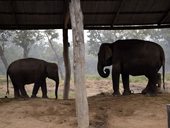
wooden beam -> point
(31, 13)
(84, 13)
(125, 27)
(13, 7)
(165, 16)
(82, 110)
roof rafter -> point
(165, 16)
(13, 7)
(117, 13)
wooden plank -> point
(79, 62)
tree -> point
(96, 37)
(25, 39)
(51, 35)
(4, 36)
(160, 36)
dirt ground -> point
(106, 111)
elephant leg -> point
(125, 80)
(158, 80)
(44, 89)
(151, 88)
(35, 89)
(115, 80)
(23, 91)
(16, 89)
(145, 91)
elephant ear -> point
(108, 52)
(105, 54)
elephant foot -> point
(127, 92)
(34, 96)
(17, 97)
(116, 93)
(145, 91)
(45, 96)
(25, 96)
(22, 96)
(159, 91)
(150, 92)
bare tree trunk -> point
(25, 53)
(3, 58)
(79, 64)
(57, 58)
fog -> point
(38, 44)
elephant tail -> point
(7, 92)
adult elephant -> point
(131, 57)
(31, 70)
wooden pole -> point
(66, 51)
(168, 114)
(67, 64)
(82, 110)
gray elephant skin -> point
(31, 70)
(131, 57)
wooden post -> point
(67, 64)
(168, 114)
(82, 110)
(66, 51)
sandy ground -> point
(106, 111)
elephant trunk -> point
(102, 72)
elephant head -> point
(52, 73)
(104, 59)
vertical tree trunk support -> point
(67, 64)
(79, 62)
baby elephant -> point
(31, 70)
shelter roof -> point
(98, 14)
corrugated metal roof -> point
(98, 14)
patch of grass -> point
(2, 79)
(167, 77)
(95, 77)
(138, 79)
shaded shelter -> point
(97, 14)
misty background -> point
(48, 45)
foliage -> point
(160, 36)
(96, 37)
(25, 39)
